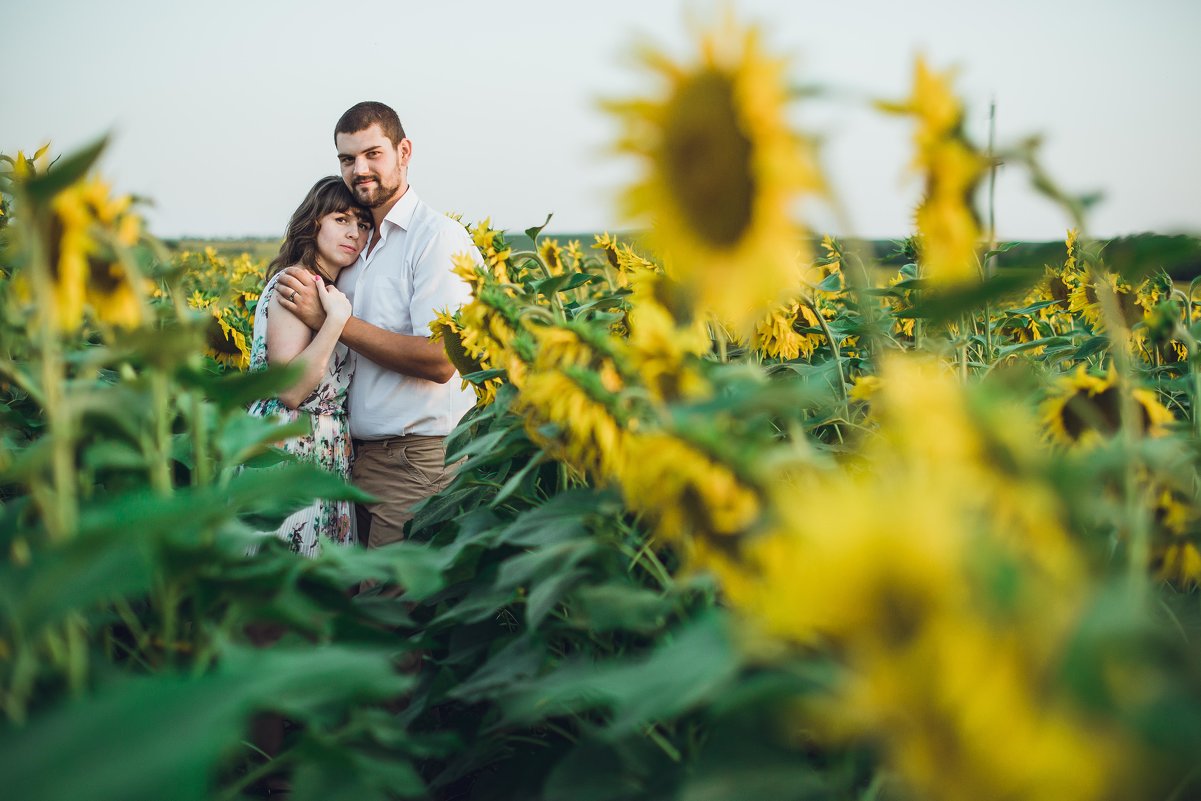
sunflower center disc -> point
(707, 160)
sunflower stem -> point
(722, 340)
(201, 469)
(963, 338)
(160, 477)
(859, 282)
(835, 352)
(1194, 368)
(60, 504)
(1136, 523)
(530, 255)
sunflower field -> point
(739, 515)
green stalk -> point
(134, 624)
(963, 349)
(1194, 369)
(202, 472)
(648, 560)
(160, 475)
(76, 652)
(62, 516)
(836, 353)
(530, 255)
(652, 732)
(167, 595)
(1136, 523)
(722, 339)
(272, 765)
(61, 513)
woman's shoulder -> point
(269, 286)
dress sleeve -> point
(435, 285)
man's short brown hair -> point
(362, 116)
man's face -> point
(374, 170)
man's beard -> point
(376, 195)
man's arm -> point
(404, 353)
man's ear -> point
(404, 151)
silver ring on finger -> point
(292, 297)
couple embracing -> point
(350, 298)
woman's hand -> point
(335, 304)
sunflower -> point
(575, 252)
(226, 344)
(1154, 339)
(486, 330)
(551, 253)
(198, 300)
(1085, 302)
(660, 347)
(607, 243)
(901, 301)
(623, 263)
(947, 224)
(448, 329)
(112, 293)
(720, 171)
(776, 335)
(686, 492)
(489, 324)
(829, 264)
(568, 390)
(88, 230)
(864, 388)
(566, 413)
(71, 246)
(1086, 408)
(1175, 556)
(1179, 563)
(492, 246)
(462, 265)
(883, 565)
(1054, 291)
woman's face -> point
(341, 235)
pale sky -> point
(222, 112)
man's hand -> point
(296, 291)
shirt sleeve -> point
(435, 285)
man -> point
(404, 396)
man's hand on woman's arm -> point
(297, 292)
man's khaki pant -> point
(399, 471)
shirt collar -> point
(401, 214)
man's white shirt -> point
(399, 286)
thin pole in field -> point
(992, 184)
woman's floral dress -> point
(328, 446)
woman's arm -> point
(289, 339)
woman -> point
(325, 235)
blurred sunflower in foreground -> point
(721, 168)
(948, 226)
(85, 233)
(940, 576)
